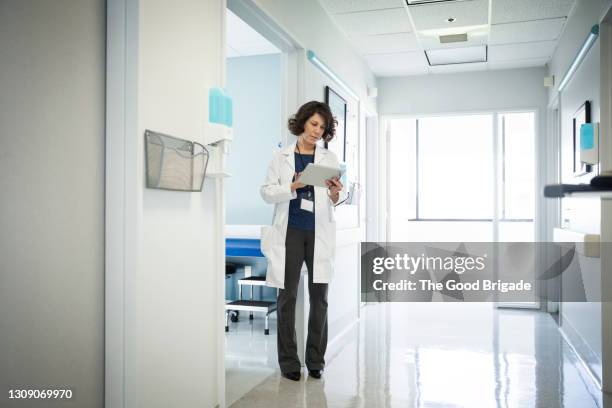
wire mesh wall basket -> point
(174, 164)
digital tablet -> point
(316, 174)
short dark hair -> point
(306, 111)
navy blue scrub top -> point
(298, 218)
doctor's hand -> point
(334, 185)
(296, 184)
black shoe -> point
(293, 376)
(315, 373)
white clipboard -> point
(317, 174)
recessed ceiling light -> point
(463, 55)
(450, 20)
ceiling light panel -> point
(465, 13)
(349, 6)
(375, 22)
(457, 55)
(509, 11)
(386, 43)
(527, 31)
(514, 52)
(454, 68)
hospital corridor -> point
(306, 203)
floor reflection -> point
(421, 355)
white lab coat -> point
(277, 190)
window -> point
(442, 168)
(455, 156)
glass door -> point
(463, 178)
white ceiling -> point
(393, 37)
(242, 40)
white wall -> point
(463, 92)
(581, 322)
(169, 281)
(175, 326)
(606, 206)
(52, 206)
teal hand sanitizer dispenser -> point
(218, 130)
(219, 107)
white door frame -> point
(552, 208)
(540, 222)
(123, 191)
(371, 176)
(372, 186)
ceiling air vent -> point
(422, 2)
(453, 38)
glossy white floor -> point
(418, 355)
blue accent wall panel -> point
(254, 84)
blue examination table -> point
(247, 251)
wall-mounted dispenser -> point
(219, 107)
(218, 131)
(589, 143)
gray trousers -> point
(299, 246)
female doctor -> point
(303, 230)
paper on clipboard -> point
(317, 174)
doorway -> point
(464, 178)
(262, 79)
